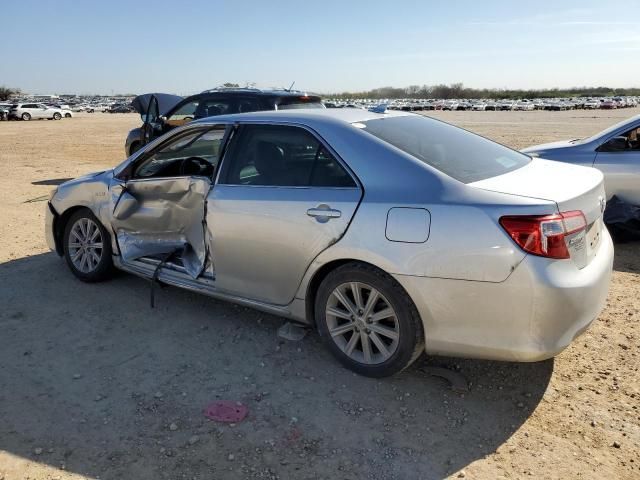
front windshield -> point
(462, 155)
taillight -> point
(544, 235)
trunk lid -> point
(571, 187)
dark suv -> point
(162, 112)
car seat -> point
(270, 164)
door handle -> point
(324, 212)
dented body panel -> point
(159, 216)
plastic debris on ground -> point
(291, 331)
(226, 411)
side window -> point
(212, 108)
(633, 139)
(628, 141)
(192, 154)
(274, 155)
(183, 114)
(244, 105)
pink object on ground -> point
(226, 411)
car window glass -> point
(193, 154)
(462, 155)
(633, 139)
(183, 114)
(296, 106)
(244, 105)
(302, 101)
(212, 108)
(274, 155)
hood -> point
(166, 102)
(549, 146)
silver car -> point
(390, 233)
(615, 152)
(28, 111)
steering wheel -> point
(196, 166)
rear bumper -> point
(533, 315)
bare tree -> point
(6, 92)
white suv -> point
(27, 111)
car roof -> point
(255, 91)
(307, 116)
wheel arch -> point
(321, 273)
(60, 222)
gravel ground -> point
(95, 384)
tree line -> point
(458, 90)
(6, 92)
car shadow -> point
(96, 382)
(627, 257)
(51, 181)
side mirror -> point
(615, 144)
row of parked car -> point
(34, 111)
(555, 104)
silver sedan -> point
(614, 151)
(390, 233)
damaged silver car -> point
(389, 232)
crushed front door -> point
(161, 216)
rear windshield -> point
(465, 156)
(291, 103)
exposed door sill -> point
(176, 275)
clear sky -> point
(184, 46)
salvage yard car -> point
(614, 151)
(162, 112)
(28, 111)
(391, 233)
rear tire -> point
(87, 247)
(379, 333)
(57, 116)
(26, 116)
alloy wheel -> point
(85, 245)
(362, 323)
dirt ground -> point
(95, 384)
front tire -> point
(67, 115)
(368, 321)
(87, 247)
(57, 116)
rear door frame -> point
(223, 165)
